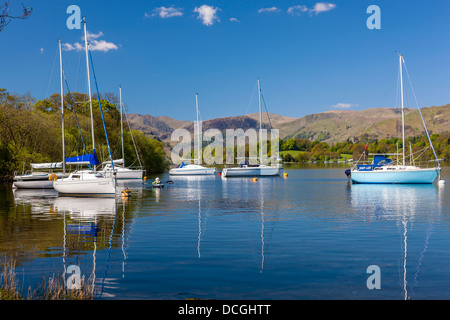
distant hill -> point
(330, 126)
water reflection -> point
(72, 230)
(38, 200)
(403, 204)
(86, 209)
(210, 237)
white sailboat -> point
(43, 179)
(38, 179)
(246, 169)
(383, 170)
(122, 172)
(87, 182)
(194, 169)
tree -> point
(6, 16)
(288, 158)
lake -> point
(309, 235)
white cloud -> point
(272, 9)
(102, 45)
(164, 12)
(94, 44)
(234, 20)
(71, 47)
(322, 7)
(297, 10)
(93, 36)
(41, 50)
(207, 14)
(341, 105)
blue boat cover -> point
(183, 164)
(378, 160)
(85, 158)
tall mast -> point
(121, 124)
(403, 111)
(260, 124)
(86, 44)
(62, 106)
(199, 145)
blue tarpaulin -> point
(84, 159)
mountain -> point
(330, 126)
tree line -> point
(302, 150)
(31, 132)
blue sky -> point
(314, 57)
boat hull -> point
(34, 184)
(192, 172)
(35, 181)
(418, 176)
(125, 174)
(251, 171)
(96, 187)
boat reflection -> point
(392, 201)
(85, 208)
(250, 198)
(39, 199)
(403, 204)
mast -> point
(403, 110)
(121, 124)
(62, 106)
(86, 44)
(260, 124)
(199, 145)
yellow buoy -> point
(145, 178)
(254, 179)
(126, 193)
(285, 174)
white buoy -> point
(441, 182)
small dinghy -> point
(157, 184)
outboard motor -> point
(348, 172)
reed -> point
(9, 286)
(53, 287)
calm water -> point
(307, 236)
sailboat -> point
(383, 169)
(121, 171)
(42, 179)
(88, 182)
(246, 169)
(194, 169)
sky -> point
(311, 56)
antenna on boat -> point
(86, 45)
(260, 124)
(199, 133)
(121, 124)
(403, 110)
(62, 106)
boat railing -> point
(369, 165)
